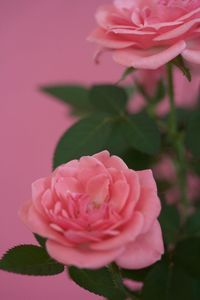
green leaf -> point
(117, 143)
(75, 95)
(129, 89)
(196, 166)
(187, 255)
(180, 64)
(29, 260)
(108, 98)
(155, 284)
(170, 223)
(142, 133)
(102, 131)
(183, 116)
(160, 91)
(169, 282)
(88, 136)
(128, 71)
(192, 226)
(98, 282)
(136, 160)
(192, 135)
(40, 240)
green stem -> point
(177, 140)
(118, 281)
(172, 116)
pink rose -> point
(94, 211)
(148, 34)
(186, 93)
(133, 285)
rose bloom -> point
(186, 93)
(148, 34)
(166, 171)
(133, 285)
(94, 211)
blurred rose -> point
(165, 171)
(186, 93)
(94, 211)
(133, 285)
(148, 34)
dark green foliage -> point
(142, 133)
(180, 64)
(30, 260)
(99, 282)
(109, 99)
(170, 223)
(86, 137)
(40, 240)
(75, 95)
(169, 282)
(187, 255)
(193, 135)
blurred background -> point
(42, 42)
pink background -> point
(42, 42)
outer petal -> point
(66, 170)
(124, 4)
(192, 55)
(129, 233)
(146, 250)
(36, 223)
(38, 189)
(110, 161)
(177, 32)
(147, 180)
(134, 194)
(149, 203)
(148, 59)
(80, 257)
(108, 39)
(106, 16)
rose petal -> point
(134, 194)
(108, 39)
(129, 233)
(119, 192)
(146, 250)
(65, 185)
(149, 203)
(124, 4)
(147, 180)
(98, 188)
(180, 30)
(38, 188)
(105, 16)
(80, 257)
(192, 55)
(89, 167)
(148, 59)
(111, 161)
(67, 170)
(35, 222)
